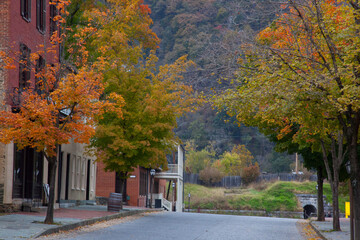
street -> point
(186, 226)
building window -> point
(40, 65)
(40, 15)
(53, 14)
(92, 174)
(73, 174)
(83, 172)
(25, 9)
(78, 165)
(24, 67)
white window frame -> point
(83, 172)
(78, 165)
(92, 176)
(73, 169)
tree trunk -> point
(351, 130)
(320, 195)
(355, 177)
(356, 207)
(336, 212)
(333, 178)
(52, 175)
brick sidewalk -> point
(325, 229)
(24, 225)
(71, 213)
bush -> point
(210, 175)
(250, 174)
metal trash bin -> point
(115, 202)
(157, 203)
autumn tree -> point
(250, 173)
(312, 159)
(61, 104)
(154, 96)
(210, 175)
(197, 160)
(232, 163)
(303, 69)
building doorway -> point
(88, 180)
(120, 186)
(28, 173)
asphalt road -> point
(191, 226)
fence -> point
(235, 181)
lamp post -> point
(173, 186)
(152, 173)
(189, 203)
(348, 169)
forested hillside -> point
(211, 32)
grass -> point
(267, 196)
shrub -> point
(250, 174)
(210, 175)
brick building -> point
(24, 26)
(139, 185)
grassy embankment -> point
(269, 196)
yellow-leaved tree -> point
(304, 70)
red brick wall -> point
(21, 31)
(4, 38)
(4, 23)
(105, 184)
(132, 188)
(162, 187)
(105, 181)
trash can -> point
(115, 202)
(157, 203)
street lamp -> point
(189, 203)
(152, 173)
(173, 186)
(348, 169)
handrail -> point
(167, 204)
(173, 168)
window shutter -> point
(22, 7)
(28, 71)
(43, 20)
(28, 10)
(38, 15)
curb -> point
(90, 221)
(317, 231)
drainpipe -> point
(147, 188)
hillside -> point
(271, 196)
(211, 32)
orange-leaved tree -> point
(304, 70)
(63, 101)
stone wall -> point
(4, 41)
(1, 193)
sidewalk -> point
(325, 229)
(24, 225)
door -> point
(120, 186)
(67, 182)
(28, 169)
(88, 180)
